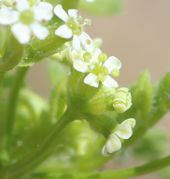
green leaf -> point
(142, 96)
(101, 7)
(161, 103)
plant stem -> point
(12, 104)
(118, 174)
(40, 154)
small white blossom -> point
(98, 67)
(122, 132)
(26, 19)
(73, 28)
(102, 71)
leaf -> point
(161, 104)
(142, 95)
(101, 7)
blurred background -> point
(139, 36)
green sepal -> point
(103, 124)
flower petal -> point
(8, 16)
(64, 31)
(43, 11)
(92, 80)
(87, 42)
(73, 13)
(21, 32)
(124, 130)
(112, 63)
(130, 121)
(61, 13)
(22, 5)
(113, 144)
(76, 43)
(80, 66)
(105, 152)
(39, 31)
(110, 82)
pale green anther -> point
(100, 71)
(87, 22)
(27, 17)
(102, 57)
(122, 100)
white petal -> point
(130, 121)
(110, 82)
(61, 13)
(113, 144)
(96, 54)
(80, 66)
(105, 152)
(21, 32)
(22, 5)
(91, 80)
(43, 11)
(8, 16)
(39, 31)
(76, 43)
(124, 131)
(87, 42)
(73, 13)
(112, 63)
(64, 31)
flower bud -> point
(109, 99)
(121, 132)
(122, 100)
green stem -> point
(40, 154)
(12, 104)
(117, 174)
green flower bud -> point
(122, 100)
(109, 99)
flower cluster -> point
(122, 132)
(28, 18)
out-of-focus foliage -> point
(101, 7)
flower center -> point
(27, 17)
(87, 57)
(100, 71)
(74, 26)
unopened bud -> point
(122, 100)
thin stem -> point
(12, 104)
(40, 154)
(118, 174)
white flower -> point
(26, 19)
(122, 132)
(97, 65)
(73, 28)
(102, 71)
